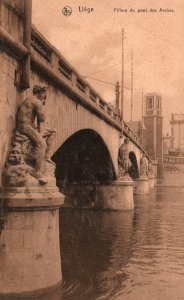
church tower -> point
(153, 127)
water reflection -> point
(97, 249)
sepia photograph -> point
(91, 150)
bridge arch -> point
(84, 157)
(134, 169)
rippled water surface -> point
(124, 255)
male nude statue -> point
(31, 110)
(123, 156)
(143, 166)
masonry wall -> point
(11, 19)
(9, 99)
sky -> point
(92, 43)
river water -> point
(124, 255)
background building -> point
(173, 152)
(167, 143)
(177, 133)
(173, 145)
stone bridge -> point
(87, 127)
(89, 134)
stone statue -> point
(150, 169)
(143, 166)
(123, 159)
(31, 143)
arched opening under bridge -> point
(83, 158)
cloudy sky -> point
(91, 42)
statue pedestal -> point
(151, 181)
(118, 196)
(142, 186)
(29, 237)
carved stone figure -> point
(123, 158)
(143, 166)
(150, 169)
(31, 143)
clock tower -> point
(153, 122)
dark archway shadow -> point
(133, 170)
(83, 158)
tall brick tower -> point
(153, 124)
